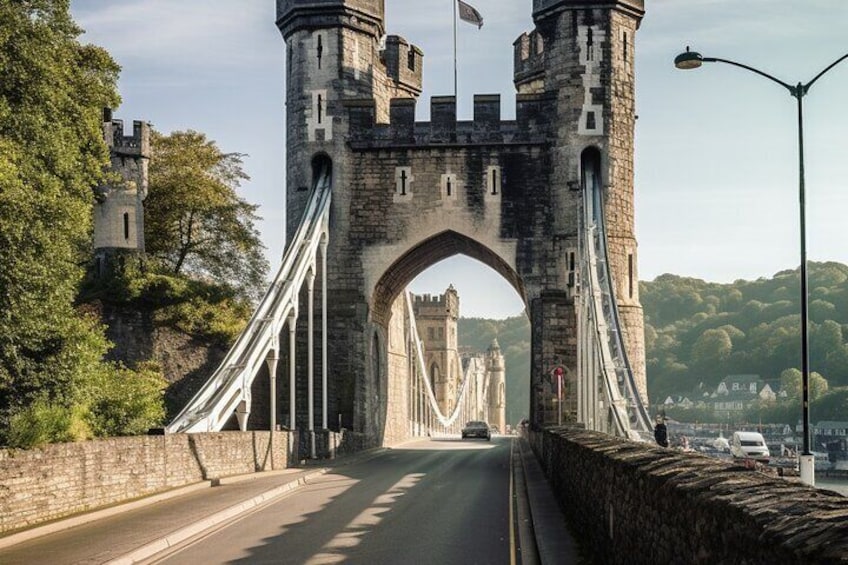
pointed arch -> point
(424, 255)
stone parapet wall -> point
(43, 484)
(635, 503)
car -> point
(749, 445)
(476, 428)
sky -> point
(716, 148)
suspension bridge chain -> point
(474, 367)
(229, 386)
(603, 357)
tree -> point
(791, 382)
(711, 350)
(52, 93)
(195, 222)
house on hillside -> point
(737, 393)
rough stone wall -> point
(62, 479)
(398, 382)
(636, 503)
(619, 211)
(186, 361)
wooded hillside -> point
(700, 332)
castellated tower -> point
(436, 321)
(496, 373)
(582, 53)
(119, 208)
(336, 58)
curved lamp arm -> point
(818, 76)
(692, 60)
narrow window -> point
(320, 107)
(494, 181)
(126, 226)
(590, 40)
(320, 50)
(375, 359)
(403, 183)
(630, 273)
(410, 59)
(590, 121)
(430, 333)
(448, 187)
(625, 46)
(571, 261)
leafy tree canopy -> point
(195, 222)
(52, 93)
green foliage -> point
(52, 92)
(128, 402)
(513, 335)
(196, 224)
(831, 406)
(700, 332)
(43, 422)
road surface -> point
(431, 501)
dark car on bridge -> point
(476, 428)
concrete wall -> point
(58, 480)
(636, 503)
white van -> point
(749, 445)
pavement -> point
(137, 531)
(554, 542)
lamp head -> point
(688, 60)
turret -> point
(495, 368)
(365, 16)
(119, 206)
(589, 65)
(404, 66)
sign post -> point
(558, 372)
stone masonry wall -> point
(636, 503)
(43, 484)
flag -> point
(469, 14)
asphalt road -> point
(432, 501)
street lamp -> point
(693, 60)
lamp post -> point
(692, 60)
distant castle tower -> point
(496, 372)
(119, 210)
(436, 319)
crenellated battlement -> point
(530, 126)
(528, 61)
(137, 144)
(446, 304)
(404, 63)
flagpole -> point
(454, 49)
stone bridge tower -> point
(507, 193)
